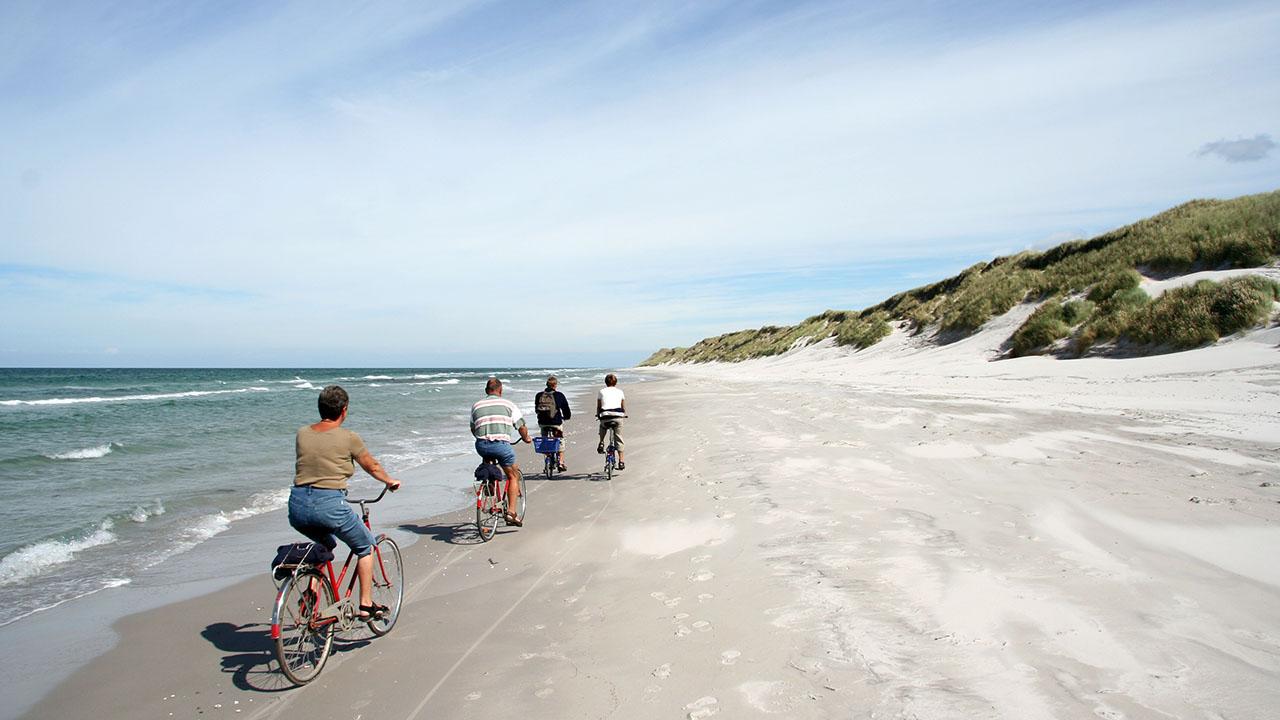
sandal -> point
(513, 521)
(372, 612)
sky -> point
(463, 183)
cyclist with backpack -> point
(552, 409)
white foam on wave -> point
(210, 525)
(377, 377)
(142, 513)
(83, 454)
(33, 560)
(450, 381)
(125, 398)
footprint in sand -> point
(662, 672)
(729, 657)
(701, 576)
(681, 616)
(683, 630)
(700, 559)
(672, 602)
(544, 692)
(703, 597)
(474, 696)
(702, 707)
(702, 626)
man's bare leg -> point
(513, 490)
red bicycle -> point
(308, 612)
(491, 497)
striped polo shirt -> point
(494, 418)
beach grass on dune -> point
(1193, 315)
(1089, 289)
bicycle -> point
(308, 613)
(491, 498)
(611, 450)
(549, 445)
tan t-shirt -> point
(326, 459)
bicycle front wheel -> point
(388, 584)
(304, 639)
(548, 467)
(487, 512)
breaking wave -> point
(85, 453)
(33, 560)
(127, 398)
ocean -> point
(120, 476)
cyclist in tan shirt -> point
(327, 454)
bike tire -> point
(388, 584)
(487, 513)
(302, 647)
(548, 467)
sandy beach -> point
(883, 535)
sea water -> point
(110, 476)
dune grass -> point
(1192, 315)
(1202, 234)
(1051, 322)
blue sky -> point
(517, 182)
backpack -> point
(545, 406)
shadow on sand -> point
(251, 658)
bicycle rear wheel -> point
(388, 584)
(548, 467)
(304, 641)
(608, 468)
(488, 512)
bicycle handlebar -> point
(385, 488)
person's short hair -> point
(332, 400)
(493, 385)
(610, 379)
(552, 381)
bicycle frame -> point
(499, 489)
(551, 460)
(611, 453)
(501, 499)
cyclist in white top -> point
(611, 408)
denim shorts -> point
(496, 450)
(325, 516)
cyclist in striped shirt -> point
(495, 422)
